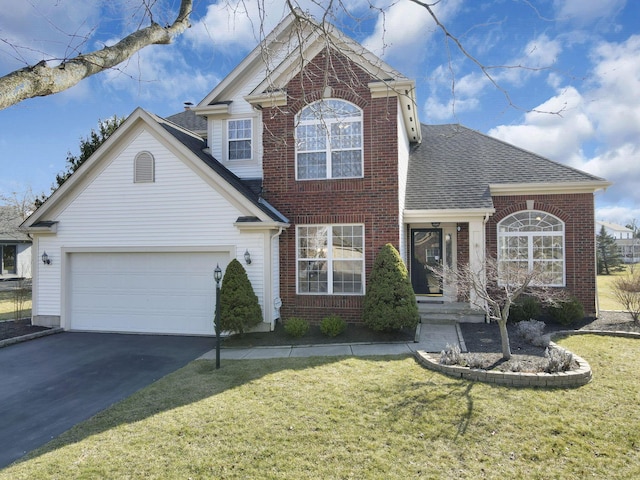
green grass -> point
(606, 297)
(7, 306)
(361, 418)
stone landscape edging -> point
(572, 378)
(43, 333)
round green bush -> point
(332, 326)
(296, 327)
(566, 312)
(525, 308)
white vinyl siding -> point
(181, 209)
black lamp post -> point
(217, 276)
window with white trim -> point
(330, 259)
(329, 141)
(239, 139)
(144, 168)
(531, 240)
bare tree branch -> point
(41, 80)
(485, 69)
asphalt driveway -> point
(50, 384)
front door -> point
(426, 251)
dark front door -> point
(426, 251)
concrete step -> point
(432, 312)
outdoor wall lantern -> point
(217, 276)
(247, 257)
(458, 228)
(45, 259)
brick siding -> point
(371, 200)
(577, 212)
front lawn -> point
(8, 305)
(358, 418)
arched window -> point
(329, 141)
(532, 239)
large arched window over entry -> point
(532, 240)
(329, 141)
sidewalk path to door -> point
(433, 337)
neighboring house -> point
(628, 245)
(308, 160)
(15, 246)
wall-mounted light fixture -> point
(435, 224)
(45, 259)
(247, 257)
(458, 227)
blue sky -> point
(582, 62)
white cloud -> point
(558, 136)
(606, 117)
(584, 13)
(622, 215)
(406, 28)
(160, 72)
(537, 55)
(242, 23)
(45, 29)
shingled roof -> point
(189, 120)
(454, 166)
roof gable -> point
(183, 143)
(459, 168)
(287, 50)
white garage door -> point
(143, 292)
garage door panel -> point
(143, 292)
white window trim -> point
(530, 236)
(227, 139)
(328, 122)
(329, 259)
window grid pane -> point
(332, 130)
(239, 133)
(534, 240)
(335, 270)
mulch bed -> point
(481, 339)
(18, 328)
(484, 343)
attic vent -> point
(143, 168)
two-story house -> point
(302, 164)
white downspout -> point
(276, 302)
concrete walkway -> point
(433, 337)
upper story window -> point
(532, 240)
(329, 141)
(144, 168)
(239, 137)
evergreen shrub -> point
(525, 308)
(390, 303)
(332, 326)
(566, 312)
(296, 327)
(239, 306)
